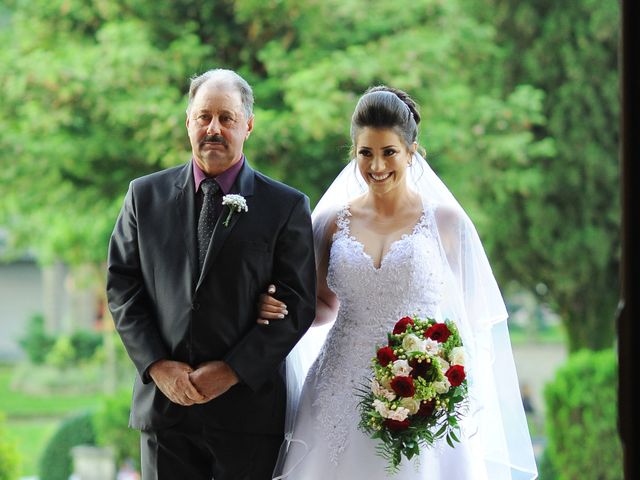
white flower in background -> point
(410, 404)
(412, 343)
(457, 356)
(236, 203)
(401, 368)
(442, 386)
(380, 391)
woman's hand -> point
(269, 308)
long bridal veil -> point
(472, 299)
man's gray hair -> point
(224, 76)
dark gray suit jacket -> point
(163, 309)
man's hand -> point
(212, 379)
(172, 378)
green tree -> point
(89, 101)
(561, 235)
(93, 96)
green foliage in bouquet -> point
(418, 391)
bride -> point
(391, 241)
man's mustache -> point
(214, 139)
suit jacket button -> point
(195, 306)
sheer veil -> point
(471, 298)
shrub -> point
(9, 460)
(56, 462)
(85, 343)
(581, 418)
(546, 469)
(112, 428)
(36, 342)
(61, 350)
(62, 355)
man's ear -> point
(249, 127)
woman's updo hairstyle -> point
(386, 107)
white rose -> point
(411, 343)
(444, 365)
(386, 383)
(401, 368)
(432, 347)
(410, 404)
(457, 356)
(442, 386)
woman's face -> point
(382, 158)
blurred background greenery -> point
(520, 107)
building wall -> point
(21, 296)
(66, 302)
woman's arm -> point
(270, 308)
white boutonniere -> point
(236, 203)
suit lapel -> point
(186, 208)
(243, 185)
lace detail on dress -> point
(409, 281)
(342, 222)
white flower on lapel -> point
(236, 203)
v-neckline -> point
(392, 245)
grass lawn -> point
(32, 419)
(31, 436)
(17, 404)
(553, 334)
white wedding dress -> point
(327, 443)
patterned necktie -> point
(207, 219)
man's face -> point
(217, 127)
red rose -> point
(401, 325)
(403, 386)
(385, 356)
(395, 425)
(456, 375)
(420, 369)
(438, 332)
(426, 408)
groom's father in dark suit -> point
(187, 262)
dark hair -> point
(386, 107)
(246, 94)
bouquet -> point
(418, 391)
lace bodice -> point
(409, 281)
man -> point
(210, 397)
